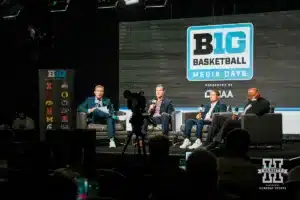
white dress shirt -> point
(208, 114)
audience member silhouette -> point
(164, 174)
(235, 163)
(201, 169)
(63, 185)
(293, 184)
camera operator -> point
(160, 110)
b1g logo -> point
(220, 52)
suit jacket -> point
(259, 107)
(219, 107)
(165, 107)
(90, 103)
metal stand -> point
(139, 140)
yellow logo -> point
(49, 103)
(49, 119)
(64, 95)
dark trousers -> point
(199, 124)
(214, 129)
(109, 121)
(164, 120)
(228, 126)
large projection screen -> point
(154, 52)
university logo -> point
(220, 52)
(57, 74)
(272, 171)
(64, 95)
(49, 126)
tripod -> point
(139, 140)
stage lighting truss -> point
(155, 3)
(10, 10)
(107, 4)
(58, 5)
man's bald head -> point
(253, 93)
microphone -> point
(236, 111)
(229, 109)
(202, 109)
(153, 101)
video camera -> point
(136, 102)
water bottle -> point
(82, 186)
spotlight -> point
(58, 5)
(155, 3)
(107, 4)
(131, 2)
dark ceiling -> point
(78, 38)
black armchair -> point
(156, 130)
(101, 127)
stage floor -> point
(108, 158)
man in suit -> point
(160, 110)
(203, 118)
(255, 105)
(98, 107)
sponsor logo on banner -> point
(226, 94)
(64, 95)
(49, 119)
(64, 103)
(49, 126)
(57, 74)
(220, 52)
(272, 174)
(49, 86)
(49, 103)
(64, 86)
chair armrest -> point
(81, 120)
(189, 115)
(173, 120)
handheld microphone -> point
(153, 101)
(229, 109)
(202, 109)
(236, 111)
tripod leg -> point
(144, 146)
(139, 143)
(127, 143)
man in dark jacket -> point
(203, 118)
(255, 105)
(160, 110)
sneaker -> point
(196, 144)
(185, 143)
(112, 143)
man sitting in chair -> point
(98, 107)
(203, 118)
(256, 105)
(160, 111)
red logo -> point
(49, 111)
(48, 86)
(64, 118)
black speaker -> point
(76, 148)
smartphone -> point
(182, 161)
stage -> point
(109, 158)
